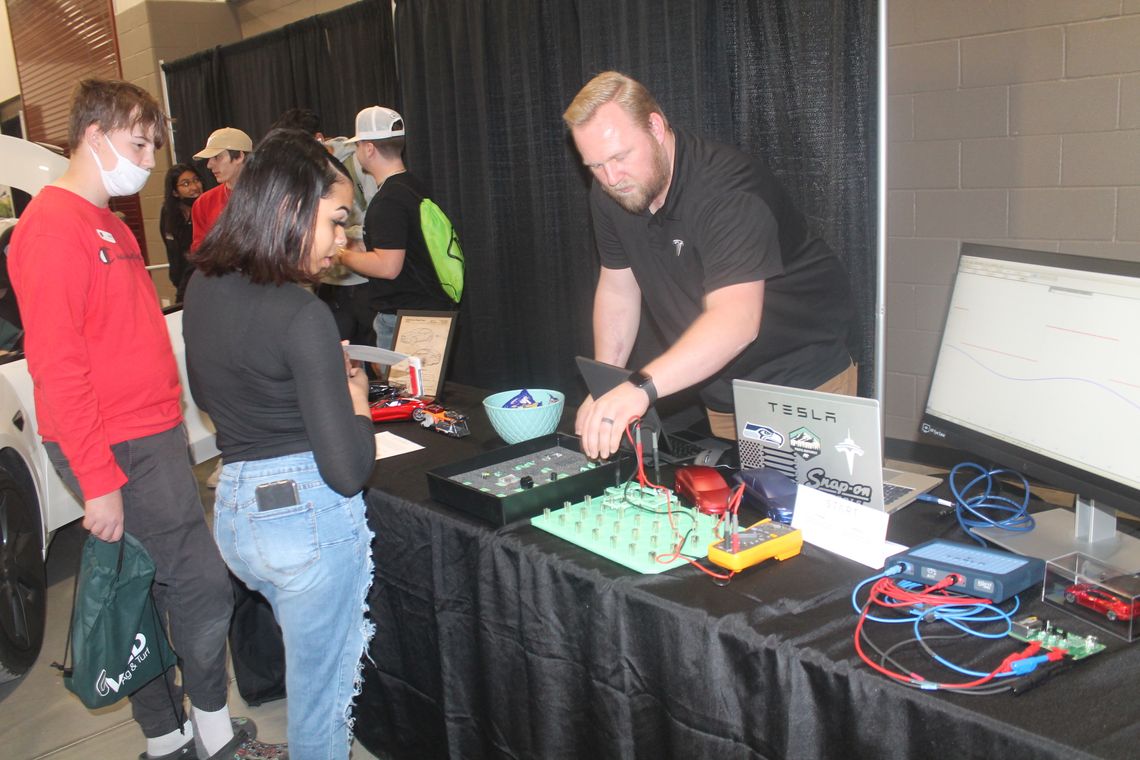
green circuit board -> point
(1032, 629)
(634, 526)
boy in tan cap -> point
(226, 151)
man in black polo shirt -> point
(708, 237)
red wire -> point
(886, 593)
(644, 481)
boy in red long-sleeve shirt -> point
(108, 401)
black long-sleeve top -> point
(177, 233)
(265, 363)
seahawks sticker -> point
(805, 443)
(764, 434)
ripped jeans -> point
(313, 562)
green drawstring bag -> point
(117, 641)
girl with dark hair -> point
(182, 188)
(264, 360)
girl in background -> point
(182, 188)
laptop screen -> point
(601, 378)
(823, 440)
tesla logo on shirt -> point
(677, 246)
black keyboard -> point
(681, 448)
(892, 491)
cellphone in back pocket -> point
(279, 493)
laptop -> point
(830, 442)
(679, 447)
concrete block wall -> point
(1011, 122)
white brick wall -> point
(1011, 122)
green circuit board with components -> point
(634, 526)
(1051, 637)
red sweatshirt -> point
(95, 338)
(205, 212)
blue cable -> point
(963, 616)
(957, 619)
(977, 510)
(892, 570)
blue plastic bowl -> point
(523, 423)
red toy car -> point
(704, 487)
(396, 408)
(1111, 606)
(388, 405)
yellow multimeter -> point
(756, 543)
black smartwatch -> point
(643, 381)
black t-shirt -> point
(727, 220)
(392, 222)
(265, 362)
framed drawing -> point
(428, 335)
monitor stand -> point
(1091, 530)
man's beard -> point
(637, 201)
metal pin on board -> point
(656, 459)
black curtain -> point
(483, 88)
(334, 63)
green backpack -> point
(443, 245)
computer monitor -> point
(1039, 371)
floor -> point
(39, 718)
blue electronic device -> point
(985, 573)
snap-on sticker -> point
(818, 478)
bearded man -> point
(709, 239)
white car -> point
(34, 503)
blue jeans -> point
(313, 562)
(385, 326)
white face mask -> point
(127, 178)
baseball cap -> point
(226, 138)
(377, 123)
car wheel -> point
(1070, 597)
(23, 583)
(418, 415)
(1111, 615)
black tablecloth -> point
(512, 643)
